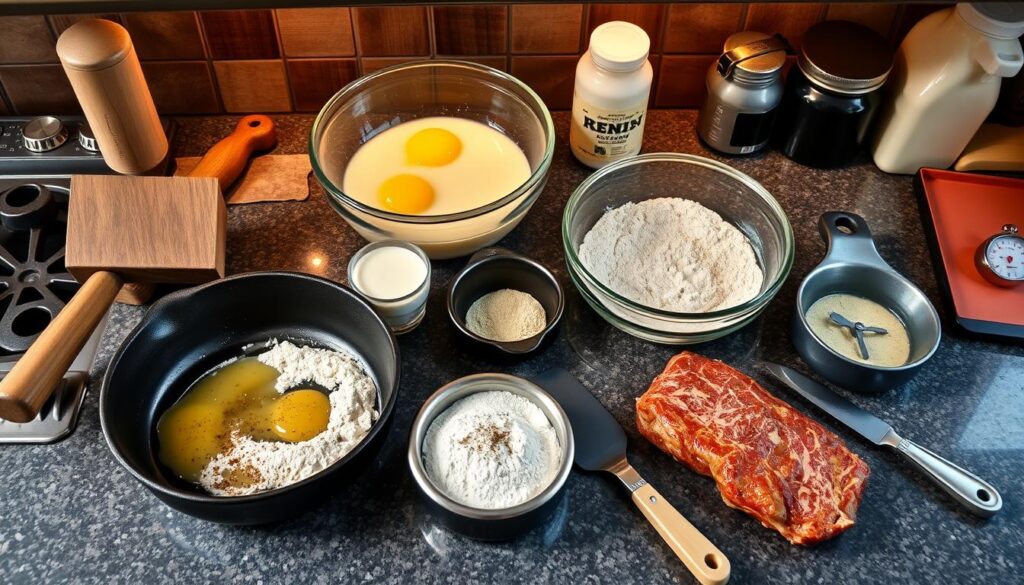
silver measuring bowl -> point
(490, 524)
(853, 266)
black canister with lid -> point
(832, 94)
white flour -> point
(272, 464)
(492, 450)
(672, 254)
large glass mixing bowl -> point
(737, 198)
(381, 100)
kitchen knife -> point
(601, 446)
(975, 494)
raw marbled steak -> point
(768, 459)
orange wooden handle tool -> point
(226, 160)
(25, 389)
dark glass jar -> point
(832, 94)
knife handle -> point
(974, 493)
(700, 556)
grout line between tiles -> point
(211, 70)
(508, 38)
(431, 32)
(284, 63)
(357, 43)
(663, 34)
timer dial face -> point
(1005, 255)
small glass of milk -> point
(394, 276)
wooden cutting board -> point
(132, 230)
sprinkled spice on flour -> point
(492, 450)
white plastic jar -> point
(609, 105)
(946, 82)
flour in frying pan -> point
(672, 254)
(272, 464)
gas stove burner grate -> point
(34, 283)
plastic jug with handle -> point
(945, 83)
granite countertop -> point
(69, 512)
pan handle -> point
(31, 381)
(227, 159)
(848, 239)
(708, 564)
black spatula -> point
(601, 446)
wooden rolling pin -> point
(132, 229)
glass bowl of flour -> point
(676, 248)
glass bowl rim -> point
(763, 297)
(327, 113)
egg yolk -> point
(407, 194)
(433, 147)
(301, 415)
(190, 436)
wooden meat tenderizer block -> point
(132, 229)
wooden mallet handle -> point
(25, 389)
(31, 381)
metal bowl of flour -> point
(490, 524)
(735, 197)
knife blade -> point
(974, 493)
(866, 424)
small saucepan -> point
(493, 269)
(189, 332)
(853, 266)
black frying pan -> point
(187, 333)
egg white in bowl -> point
(465, 93)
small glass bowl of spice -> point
(394, 276)
(505, 304)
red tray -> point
(960, 211)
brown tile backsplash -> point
(240, 34)
(26, 39)
(316, 32)
(38, 89)
(547, 28)
(294, 59)
(165, 35)
(880, 17)
(681, 81)
(470, 30)
(789, 18)
(181, 87)
(253, 86)
(392, 31)
(314, 81)
(700, 28)
(646, 16)
(61, 22)
(552, 77)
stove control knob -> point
(43, 134)
(86, 139)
